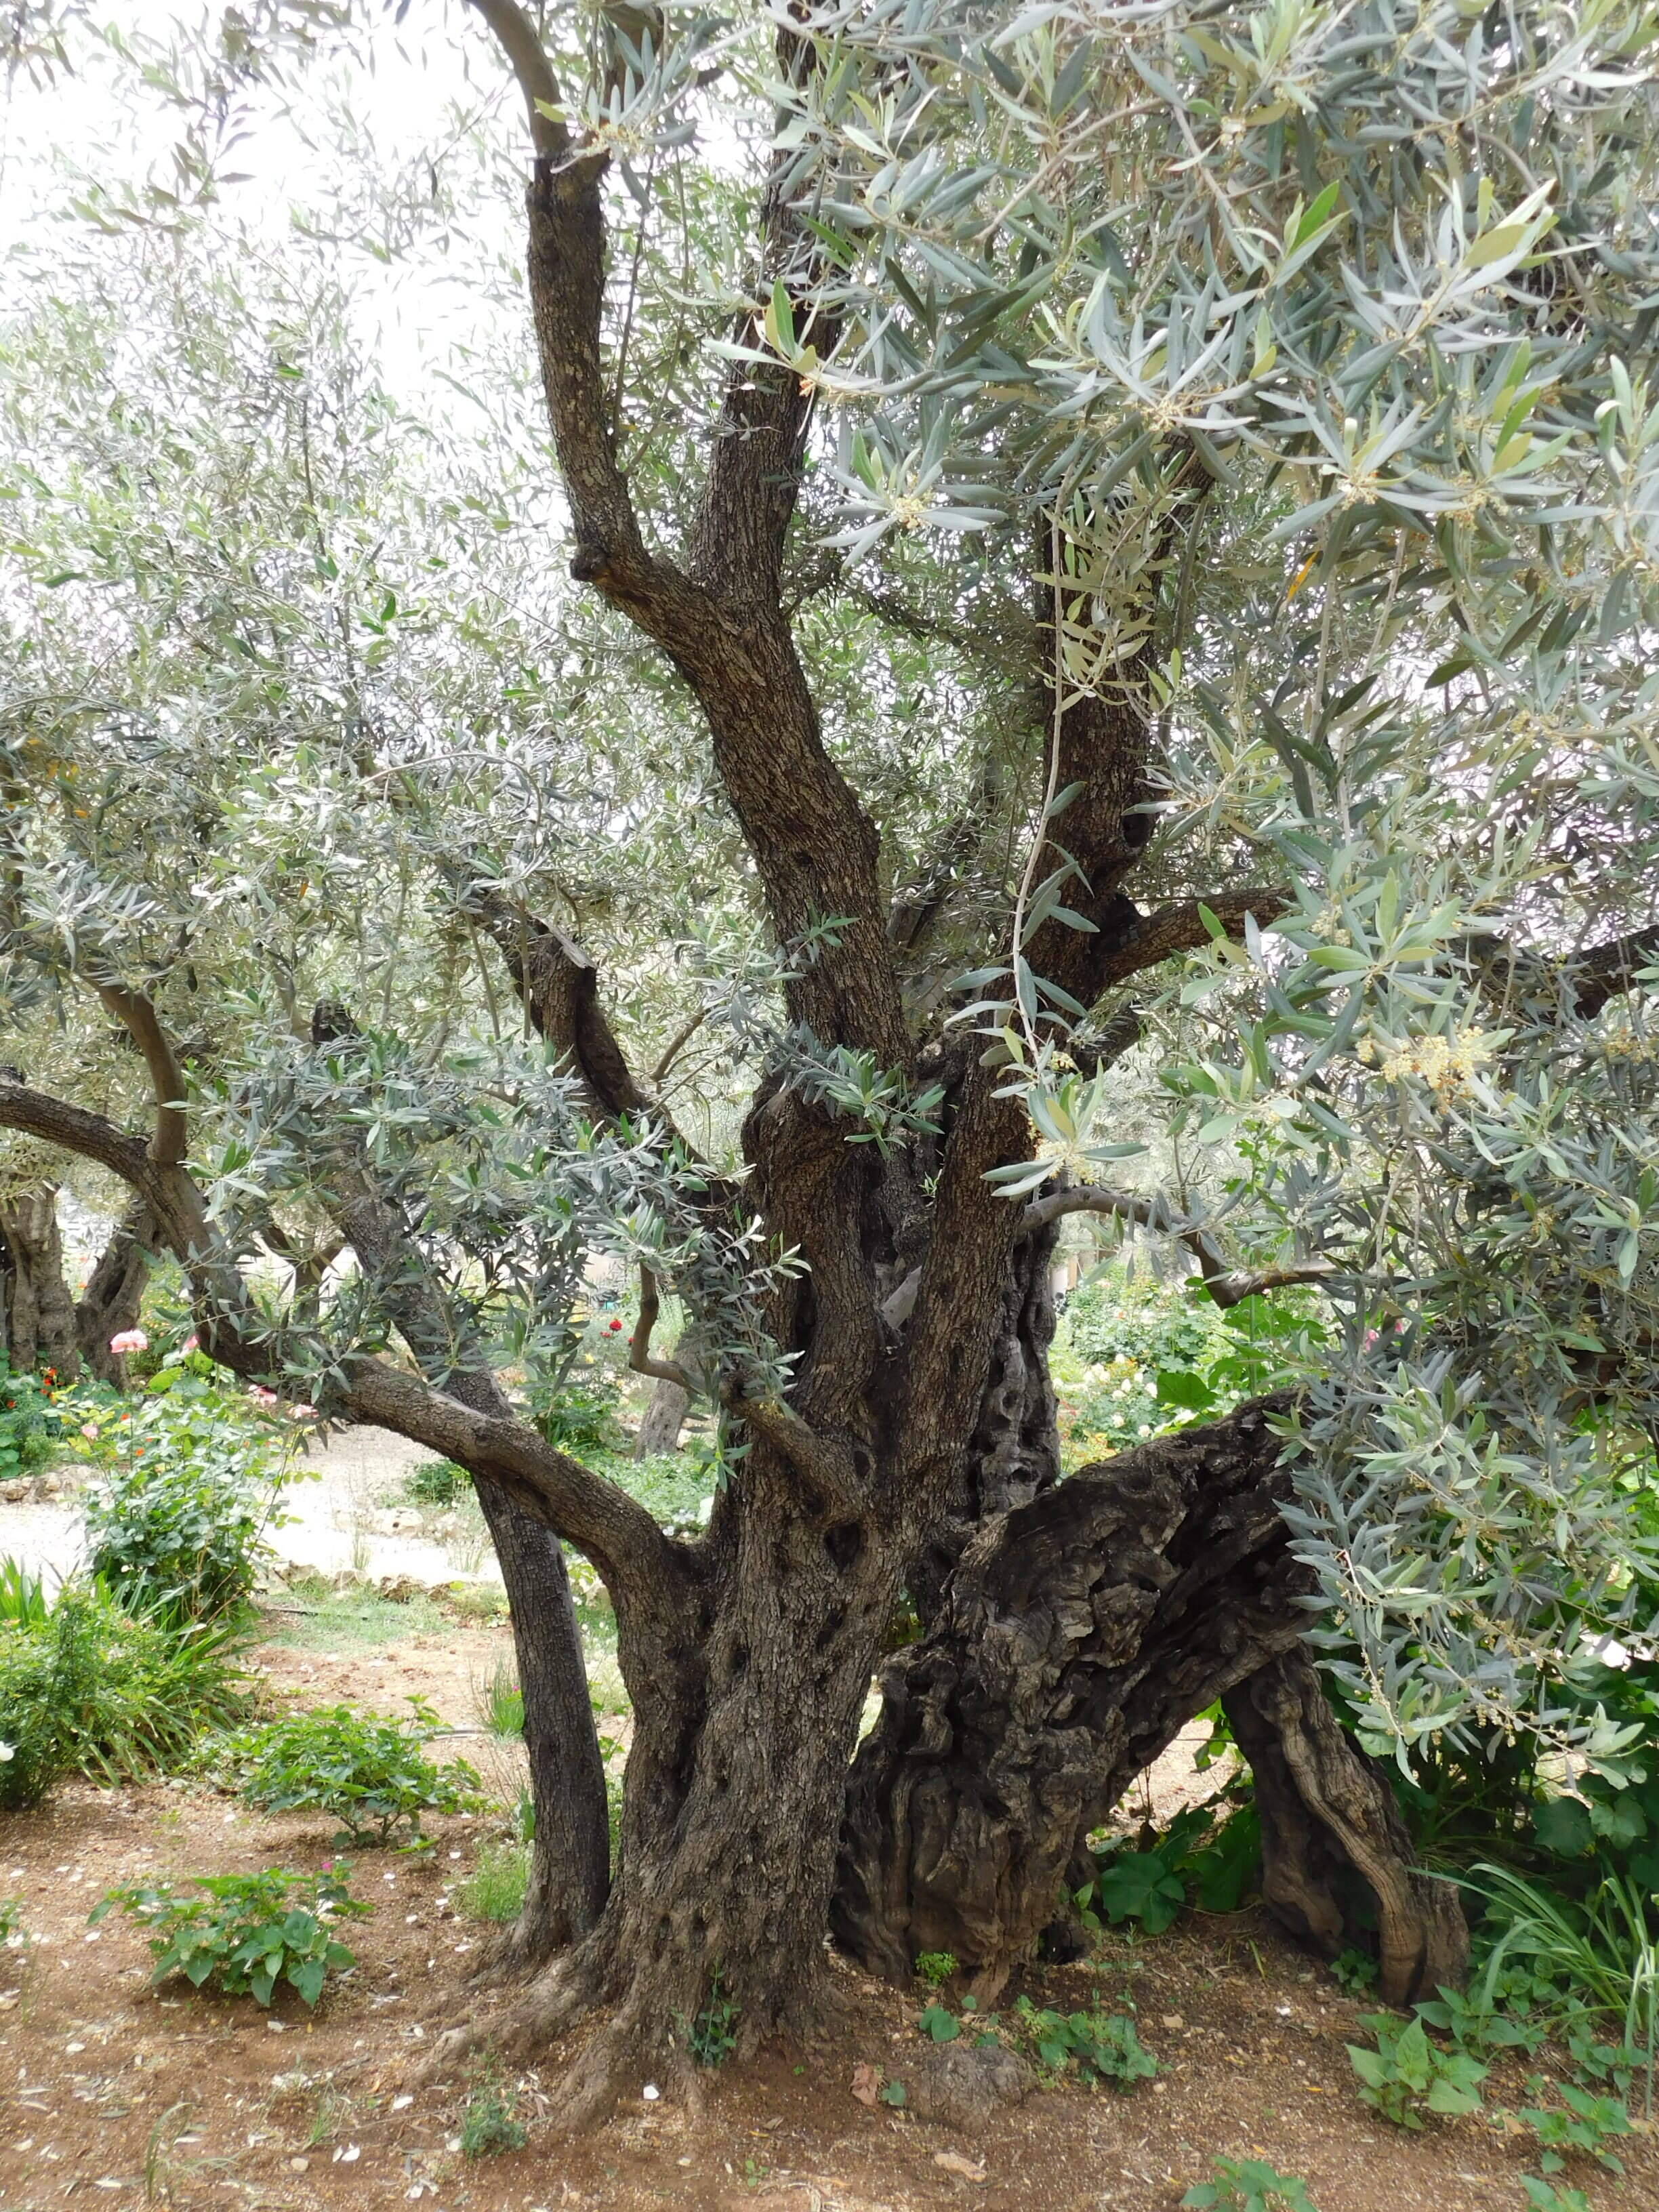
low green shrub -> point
(436, 1482)
(369, 1773)
(1407, 2074)
(1208, 1855)
(179, 1516)
(1585, 2120)
(933, 1969)
(1545, 2196)
(500, 1700)
(1354, 1970)
(30, 1422)
(244, 1932)
(712, 2037)
(1475, 2026)
(94, 1687)
(578, 1411)
(1249, 2184)
(1101, 2047)
(1539, 1947)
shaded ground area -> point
(110, 2092)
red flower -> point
(615, 1325)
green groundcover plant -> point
(1406, 2073)
(245, 1933)
(1249, 2184)
(370, 1773)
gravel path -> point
(346, 1511)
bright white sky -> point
(405, 95)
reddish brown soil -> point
(110, 2092)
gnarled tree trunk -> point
(1078, 1634)
(1330, 1832)
(114, 1293)
(39, 1313)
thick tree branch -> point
(1607, 971)
(72, 1129)
(1171, 929)
(567, 292)
(558, 986)
(1226, 1286)
(722, 623)
(678, 1043)
(1240, 1283)
(617, 1533)
(1594, 977)
(827, 1464)
(139, 1019)
(520, 42)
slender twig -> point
(639, 1344)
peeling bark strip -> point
(1326, 1816)
(1078, 1634)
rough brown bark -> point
(1327, 1817)
(731, 1807)
(39, 1312)
(114, 1293)
(1078, 1634)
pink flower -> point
(192, 1343)
(129, 1339)
(258, 1390)
(89, 1430)
(302, 1412)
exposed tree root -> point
(552, 2003)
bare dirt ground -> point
(112, 2091)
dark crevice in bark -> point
(1014, 1454)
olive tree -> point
(1247, 420)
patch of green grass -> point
(436, 1482)
(315, 1616)
(495, 1889)
(489, 2121)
